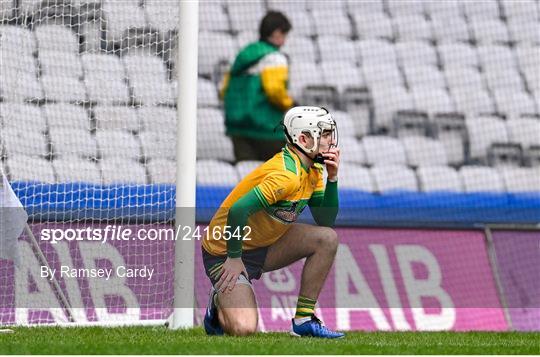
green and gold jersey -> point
(283, 187)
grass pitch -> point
(159, 340)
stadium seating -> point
(90, 91)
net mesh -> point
(429, 96)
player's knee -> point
(328, 240)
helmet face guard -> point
(325, 126)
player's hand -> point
(331, 159)
(230, 271)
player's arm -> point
(274, 77)
(324, 205)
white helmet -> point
(314, 120)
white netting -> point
(428, 96)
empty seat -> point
(63, 89)
(450, 29)
(67, 116)
(484, 131)
(489, 31)
(341, 25)
(412, 54)
(303, 75)
(373, 26)
(161, 171)
(211, 140)
(485, 9)
(525, 131)
(122, 171)
(521, 179)
(382, 75)
(335, 48)
(20, 86)
(413, 28)
(216, 173)
(503, 78)
(243, 168)
(158, 145)
(149, 79)
(513, 103)
(387, 100)
(158, 119)
(366, 6)
(345, 124)
(30, 169)
(472, 101)
(438, 178)
(342, 75)
(121, 16)
(450, 130)
(351, 150)
(524, 32)
(75, 169)
(60, 64)
(245, 15)
(462, 79)
(496, 57)
(355, 177)
(287, 6)
(164, 15)
(383, 150)
(72, 142)
(56, 38)
(481, 179)
(406, 8)
(449, 9)
(210, 54)
(374, 52)
(394, 178)
(422, 151)
(19, 141)
(212, 17)
(300, 49)
(520, 11)
(207, 95)
(457, 55)
(104, 78)
(432, 100)
(424, 76)
(23, 116)
(17, 37)
(118, 143)
(302, 23)
(244, 38)
(116, 117)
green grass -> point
(159, 340)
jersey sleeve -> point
(274, 78)
(276, 187)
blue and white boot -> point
(211, 321)
(314, 328)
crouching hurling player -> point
(257, 233)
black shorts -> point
(253, 261)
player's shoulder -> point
(274, 59)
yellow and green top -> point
(268, 200)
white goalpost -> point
(186, 156)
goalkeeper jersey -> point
(283, 187)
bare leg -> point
(237, 311)
(317, 244)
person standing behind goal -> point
(255, 92)
(255, 230)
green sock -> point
(305, 307)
